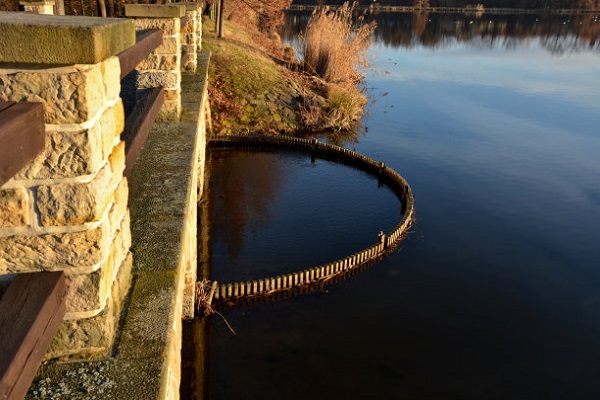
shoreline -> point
(458, 10)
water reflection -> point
(557, 33)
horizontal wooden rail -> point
(22, 136)
(146, 42)
(139, 123)
(31, 311)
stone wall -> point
(189, 35)
(162, 68)
(67, 209)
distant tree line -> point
(524, 4)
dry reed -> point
(334, 49)
(334, 45)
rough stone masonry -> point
(67, 209)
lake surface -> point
(495, 294)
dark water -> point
(496, 292)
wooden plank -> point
(31, 311)
(139, 123)
(22, 137)
(5, 104)
(146, 42)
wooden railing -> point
(22, 136)
(142, 117)
(31, 311)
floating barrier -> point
(301, 281)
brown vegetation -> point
(334, 48)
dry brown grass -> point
(334, 45)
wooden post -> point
(221, 5)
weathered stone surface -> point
(116, 160)
(53, 251)
(170, 45)
(191, 6)
(173, 94)
(14, 208)
(41, 39)
(70, 95)
(190, 40)
(189, 62)
(75, 203)
(111, 77)
(153, 79)
(89, 292)
(112, 123)
(66, 154)
(188, 23)
(119, 208)
(90, 337)
(169, 26)
(159, 61)
(94, 337)
(39, 7)
(154, 10)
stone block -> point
(62, 40)
(172, 94)
(66, 155)
(88, 337)
(111, 77)
(169, 26)
(154, 79)
(112, 123)
(88, 293)
(14, 208)
(188, 22)
(75, 203)
(170, 45)
(116, 160)
(53, 251)
(189, 39)
(154, 10)
(189, 62)
(93, 337)
(119, 207)
(159, 62)
(191, 6)
(71, 95)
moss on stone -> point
(62, 40)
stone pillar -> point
(38, 6)
(189, 36)
(67, 209)
(199, 26)
(162, 68)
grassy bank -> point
(258, 86)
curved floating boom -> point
(300, 281)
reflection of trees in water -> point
(242, 188)
(557, 33)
